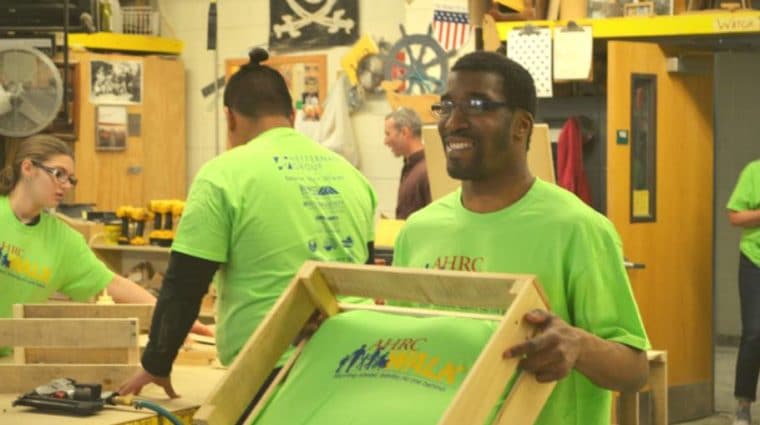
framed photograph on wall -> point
(663, 7)
(306, 77)
(116, 82)
(42, 42)
(111, 128)
(642, 8)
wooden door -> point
(152, 165)
(104, 175)
(674, 290)
(163, 130)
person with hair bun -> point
(255, 213)
(40, 254)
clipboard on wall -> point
(531, 47)
(573, 53)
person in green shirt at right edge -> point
(503, 219)
(744, 212)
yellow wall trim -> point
(657, 26)
(126, 43)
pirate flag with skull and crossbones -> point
(311, 24)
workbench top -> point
(193, 383)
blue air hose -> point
(138, 404)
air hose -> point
(139, 404)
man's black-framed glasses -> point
(469, 107)
(59, 174)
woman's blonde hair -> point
(38, 148)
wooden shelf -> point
(123, 258)
(129, 248)
(697, 24)
(126, 43)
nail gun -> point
(64, 395)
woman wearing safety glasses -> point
(40, 254)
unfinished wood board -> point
(485, 383)
(83, 333)
(435, 159)
(416, 312)
(72, 355)
(257, 358)
(657, 385)
(480, 391)
(454, 288)
(491, 40)
(194, 354)
(540, 161)
(17, 378)
(142, 312)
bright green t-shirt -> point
(573, 250)
(264, 208)
(369, 368)
(38, 260)
(746, 196)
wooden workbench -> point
(193, 383)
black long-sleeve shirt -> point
(186, 282)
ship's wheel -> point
(420, 61)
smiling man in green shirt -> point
(503, 219)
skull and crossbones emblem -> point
(292, 25)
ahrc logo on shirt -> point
(458, 262)
(401, 359)
(12, 261)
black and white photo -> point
(116, 82)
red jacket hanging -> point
(570, 172)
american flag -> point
(450, 28)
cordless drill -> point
(166, 214)
(159, 236)
(139, 216)
(124, 213)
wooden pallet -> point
(315, 288)
(85, 342)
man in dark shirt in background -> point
(403, 135)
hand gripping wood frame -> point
(314, 288)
